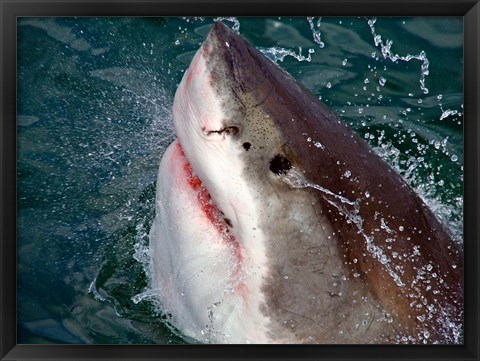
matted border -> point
(10, 10)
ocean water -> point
(94, 118)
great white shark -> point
(276, 223)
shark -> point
(276, 223)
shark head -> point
(277, 223)
(218, 121)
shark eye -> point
(228, 130)
(280, 165)
(232, 130)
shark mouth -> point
(212, 214)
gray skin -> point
(382, 270)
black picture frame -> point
(10, 10)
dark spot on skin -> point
(247, 145)
(227, 221)
(280, 165)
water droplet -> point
(401, 228)
(421, 318)
(382, 81)
(383, 259)
(344, 62)
(318, 145)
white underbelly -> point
(198, 266)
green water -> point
(94, 117)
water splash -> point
(193, 18)
(94, 291)
(279, 54)
(450, 214)
(315, 27)
(446, 113)
(387, 54)
(149, 295)
(232, 19)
